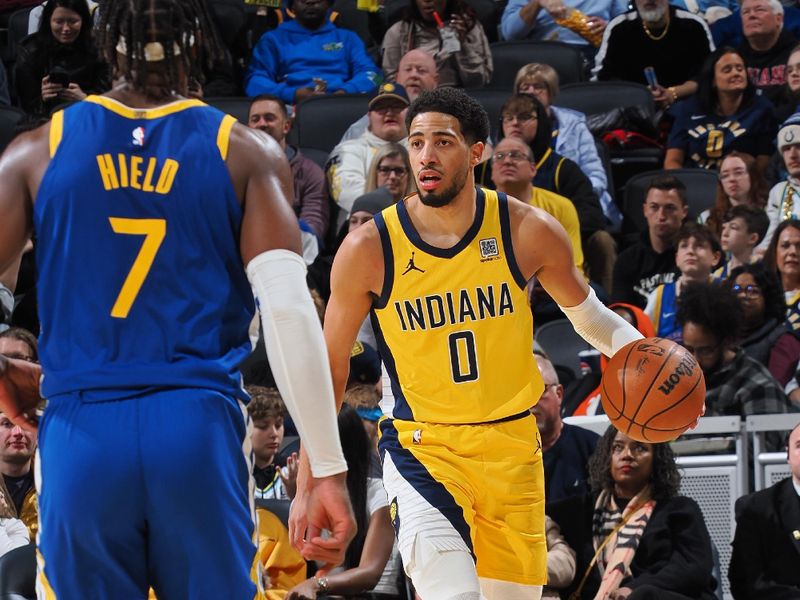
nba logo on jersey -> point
(489, 249)
(138, 136)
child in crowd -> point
(698, 252)
(743, 228)
(267, 410)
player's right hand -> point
(19, 391)
(323, 504)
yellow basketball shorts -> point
(473, 488)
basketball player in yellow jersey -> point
(443, 274)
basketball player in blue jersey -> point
(461, 463)
(146, 206)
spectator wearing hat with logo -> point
(784, 197)
(349, 162)
(310, 56)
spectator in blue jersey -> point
(725, 114)
(310, 56)
(566, 447)
(536, 19)
(698, 252)
(673, 42)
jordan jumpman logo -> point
(411, 266)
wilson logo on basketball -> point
(685, 367)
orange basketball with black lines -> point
(653, 390)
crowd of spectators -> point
(725, 282)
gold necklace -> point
(788, 202)
(656, 38)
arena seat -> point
(594, 97)
(320, 157)
(562, 343)
(18, 574)
(236, 106)
(10, 119)
(492, 101)
(321, 121)
(17, 30)
(508, 57)
(701, 191)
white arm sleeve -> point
(600, 326)
(298, 356)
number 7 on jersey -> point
(154, 231)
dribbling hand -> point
(322, 504)
(19, 391)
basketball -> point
(653, 390)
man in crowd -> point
(673, 42)
(766, 546)
(268, 114)
(350, 160)
(766, 46)
(309, 56)
(566, 448)
(784, 197)
(417, 72)
(641, 267)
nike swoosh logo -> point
(695, 117)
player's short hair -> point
(665, 479)
(714, 308)
(361, 395)
(755, 219)
(269, 98)
(457, 103)
(149, 42)
(699, 232)
(666, 183)
(265, 403)
(24, 336)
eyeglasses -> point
(387, 108)
(399, 171)
(749, 291)
(519, 118)
(17, 356)
(514, 156)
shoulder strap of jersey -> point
(56, 131)
(388, 256)
(224, 135)
(508, 245)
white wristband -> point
(600, 326)
(298, 356)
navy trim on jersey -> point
(415, 473)
(416, 240)
(388, 262)
(401, 408)
(505, 229)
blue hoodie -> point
(290, 56)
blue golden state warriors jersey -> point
(453, 325)
(141, 282)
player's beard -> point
(445, 197)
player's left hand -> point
(19, 391)
(306, 590)
(620, 594)
(72, 92)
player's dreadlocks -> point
(156, 38)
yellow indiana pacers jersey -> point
(454, 326)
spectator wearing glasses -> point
(350, 161)
(513, 171)
(766, 336)
(736, 384)
(390, 169)
(17, 447)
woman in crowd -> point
(766, 335)
(783, 257)
(570, 135)
(468, 66)
(59, 63)
(365, 564)
(724, 115)
(391, 169)
(664, 550)
(739, 183)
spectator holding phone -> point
(669, 43)
(58, 63)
